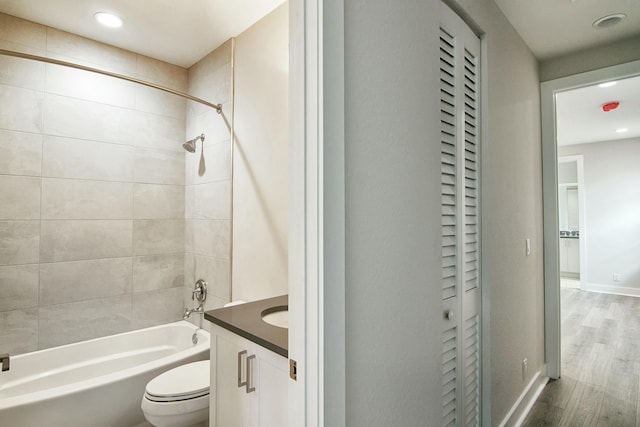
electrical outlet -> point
(525, 368)
(616, 277)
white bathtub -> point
(99, 382)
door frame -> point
(582, 213)
(548, 91)
(316, 214)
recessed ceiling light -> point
(108, 19)
(622, 130)
(607, 84)
(609, 20)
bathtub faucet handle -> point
(5, 358)
(199, 291)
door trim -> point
(548, 90)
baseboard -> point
(609, 289)
(523, 405)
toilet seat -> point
(184, 382)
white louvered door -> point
(460, 144)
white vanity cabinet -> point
(248, 383)
(570, 255)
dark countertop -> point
(246, 320)
(569, 234)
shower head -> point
(190, 145)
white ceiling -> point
(556, 27)
(176, 31)
(581, 119)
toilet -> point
(178, 397)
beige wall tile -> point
(89, 120)
(214, 87)
(78, 321)
(19, 242)
(63, 282)
(219, 57)
(209, 237)
(216, 127)
(84, 49)
(156, 101)
(158, 236)
(89, 86)
(81, 159)
(160, 132)
(77, 199)
(73, 240)
(157, 307)
(18, 287)
(22, 73)
(21, 109)
(155, 272)
(23, 32)
(158, 201)
(216, 272)
(20, 197)
(162, 73)
(20, 153)
(159, 167)
(209, 201)
(19, 331)
(217, 162)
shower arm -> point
(217, 107)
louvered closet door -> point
(459, 142)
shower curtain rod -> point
(217, 107)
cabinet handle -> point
(240, 368)
(249, 383)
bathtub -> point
(99, 382)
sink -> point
(277, 316)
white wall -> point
(261, 159)
(393, 306)
(612, 199)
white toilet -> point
(178, 397)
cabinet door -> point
(271, 395)
(233, 404)
(573, 256)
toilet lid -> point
(184, 382)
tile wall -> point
(208, 183)
(92, 191)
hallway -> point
(600, 364)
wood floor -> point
(600, 376)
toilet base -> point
(193, 419)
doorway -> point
(549, 95)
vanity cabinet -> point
(250, 383)
(570, 255)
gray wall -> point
(616, 53)
(612, 199)
(393, 306)
(92, 190)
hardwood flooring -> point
(600, 374)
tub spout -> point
(188, 312)
(4, 358)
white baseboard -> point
(523, 405)
(609, 289)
